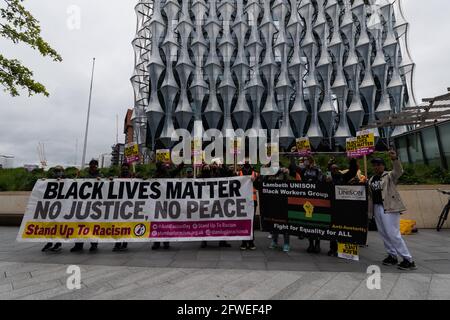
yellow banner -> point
(86, 230)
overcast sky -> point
(106, 31)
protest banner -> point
(303, 147)
(131, 152)
(163, 155)
(321, 210)
(135, 210)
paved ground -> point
(187, 272)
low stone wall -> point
(12, 207)
(424, 205)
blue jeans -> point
(285, 236)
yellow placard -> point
(163, 155)
(86, 230)
(365, 139)
(272, 148)
(348, 251)
(303, 145)
(131, 152)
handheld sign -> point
(348, 251)
(352, 148)
(365, 142)
(237, 145)
(272, 148)
(303, 147)
(131, 153)
(163, 155)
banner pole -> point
(365, 166)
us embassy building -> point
(321, 69)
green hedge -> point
(21, 180)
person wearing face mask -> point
(386, 206)
(58, 174)
(310, 173)
(93, 173)
(125, 173)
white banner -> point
(139, 210)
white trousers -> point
(388, 225)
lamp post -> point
(83, 161)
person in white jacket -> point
(386, 206)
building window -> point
(431, 147)
(444, 132)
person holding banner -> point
(164, 171)
(351, 176)
(58, 174)
(216, 170)
(283, 175)
(247, 170)
(124, 174)
(310, 173)
(386, 206)
(93, 173)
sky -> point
(104, 30)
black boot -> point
(156, 246)
(317, 246)
(311, 246)
(47, 247)
(77, 247)
(117, 247)
(56, 248)
(94, 247)
(224, 244)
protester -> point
(247, 170)
(216, 170)
(351, 176)
(93, 173)
(283, 175)
(310, 173)
(164, 171)
(58, 174)
(386, 205)
(125, 173)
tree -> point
(18, 25)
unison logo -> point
(233, 147)
(355, 193)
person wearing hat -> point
(386, 206)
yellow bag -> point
(407, 227)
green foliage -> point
(19, 179)
(18, 25)
(22, 180)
